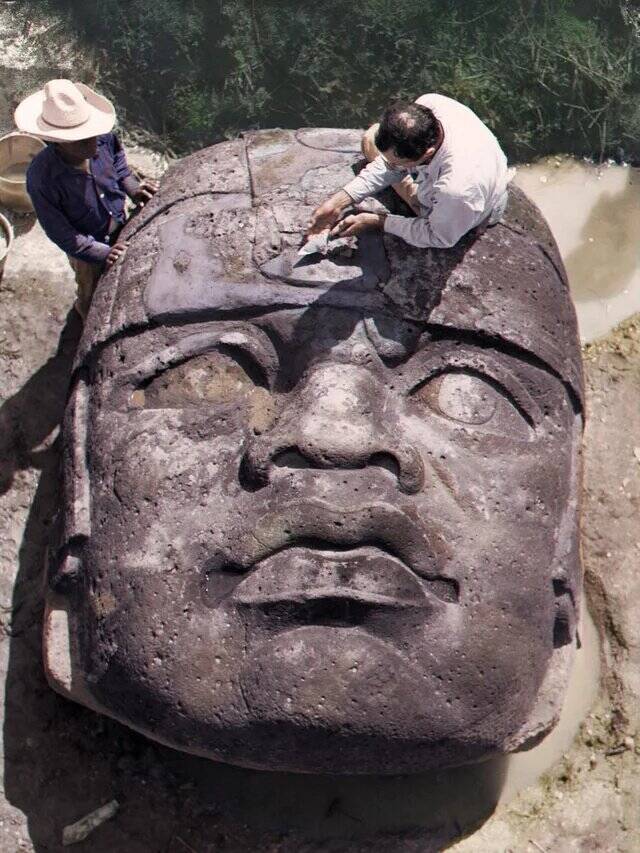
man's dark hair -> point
(408, 129)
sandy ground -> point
(61, 762)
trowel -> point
(324, 243)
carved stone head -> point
(320, 513)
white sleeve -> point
(450, 219)
(373, 178)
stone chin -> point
(316, 717)
(314, 699)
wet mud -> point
(594, 213)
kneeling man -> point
(442, 161)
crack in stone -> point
(252, 189)
(213, 193)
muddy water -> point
(524, 768)
(594, 213)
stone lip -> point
(299, 574)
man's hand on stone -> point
(146, 190)
(356, 223)
(327, 214)
(117, 252)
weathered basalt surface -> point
(320, 514)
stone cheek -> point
(321, 515)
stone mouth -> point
(324, 578)
(331, 611)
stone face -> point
(321, 513)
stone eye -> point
(467, 398)
(216, 378)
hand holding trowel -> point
(327, 242)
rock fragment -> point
(81, 829)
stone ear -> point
(566, 617)
(566, 573)
(75, 524)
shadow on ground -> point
(29, 419)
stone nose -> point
(338, 424)
(337, 421)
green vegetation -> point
(546, 75)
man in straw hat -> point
(79, 183)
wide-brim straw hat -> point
(64, 111)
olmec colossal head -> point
(320, 514)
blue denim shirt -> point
(74, 208)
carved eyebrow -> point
(249, 340)
(441, 358)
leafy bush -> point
(546, 75)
